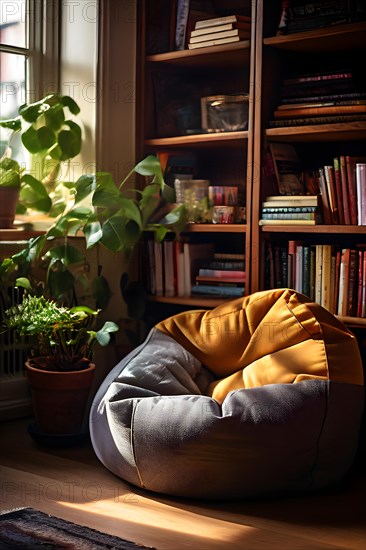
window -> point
(29, 55)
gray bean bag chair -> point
(260, 396)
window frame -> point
(43, 49)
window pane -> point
(12, 91)
(13, 22)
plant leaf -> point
(60, 282)
(34, 195)
(93, 233)
(103, 335)
(67, 101)
(85, 186)
(55, 117)
(150, 166)
(14, 124)
(101, 291)
(66, 254)
(69, 142)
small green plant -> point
(10, 173)
(61, 338)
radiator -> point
(14, 391)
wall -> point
(98, 71)
(78, 76)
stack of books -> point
(291, 210)
(300, 15)
(222, 276)
(220, 30)
(320, 98)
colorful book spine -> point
(222, 273)
(220, 291)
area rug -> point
(29, 529)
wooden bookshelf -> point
(224, 158)
(280, 57)
(262, 63)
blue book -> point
(218, 290)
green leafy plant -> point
(60, 338)
(104, 213)
(116, 220)
(52, 137)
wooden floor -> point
(72, 484)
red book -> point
(336, 279)
(363, 302)
(361, 192)
(351, 162)
(327, 214)
(332, 192)
(360, 282)
(345, 196)
(338, 187)
(342, 75)
(291, 261)
(343, 281)
(351, 310)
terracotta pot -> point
(59, 398)
(9, 197)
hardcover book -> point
(287, 168)
(222, 20)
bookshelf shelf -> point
(227, 55)
(326, 229)
(219, 139)
(321, 132)
(347, 37)
(352, 321)
(203, 301)
(216, 228)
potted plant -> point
(60, 366)
(10, 174)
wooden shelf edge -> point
(215, 228)
(204, 301)
(350, 130)
(198, 139)
(184, 55)
(339, 229)
(352, 321)
(309, 35)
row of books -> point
(332, 276)
(321, 97)
(219, 30)
(340, 183)
(343, 190)
(300, 15)
(177, 268)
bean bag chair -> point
(261, 396)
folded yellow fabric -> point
(269, 337)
